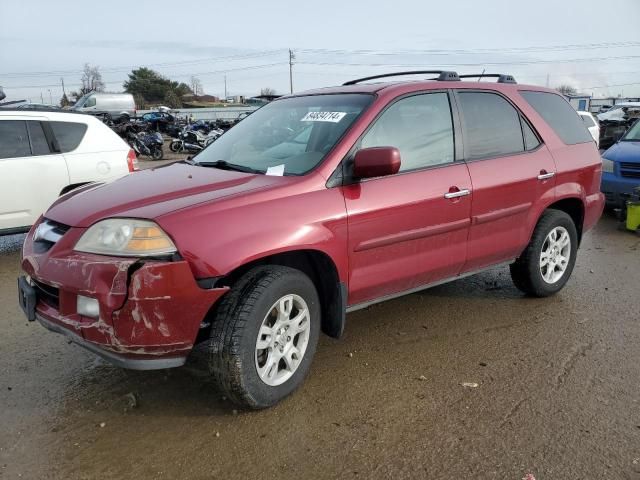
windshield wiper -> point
(224, 165)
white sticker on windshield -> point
(276, 171)
(333, 117)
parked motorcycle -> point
(179, 145)
(195, 138)
(149, 144)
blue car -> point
(621, 168)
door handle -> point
(544, 175)
(458, 193)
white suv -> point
(46, 154)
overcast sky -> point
(590, 44)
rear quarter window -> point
(559, 115)
(68, 134)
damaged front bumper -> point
(150, 312)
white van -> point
(118, 105)
(46, 154)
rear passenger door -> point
(31, 175)
(511, 170)
(409, 229)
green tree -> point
(152, 86)
(171, 100)
(64, 101)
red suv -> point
(318, 204)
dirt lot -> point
(557, 397)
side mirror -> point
(376, 162)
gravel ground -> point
(557, 392)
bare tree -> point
(91, 81)
(268, 91)
(196, 85)
(566, 89)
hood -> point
(155, 192)
(624, 152)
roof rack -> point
(502, 78)
(443, 75)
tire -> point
(234, 358)
(157, 153)
(174, 146)
(527, 270)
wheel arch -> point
(72, 186)
(322, 271)
(574, 207)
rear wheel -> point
(546, 264)
(264, 336)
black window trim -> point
(340, 178)
(45, 136)
(522, 116)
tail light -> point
(132, 161)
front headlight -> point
(127, 237)
(607, 165)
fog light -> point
(88, 307)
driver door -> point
(409, 229)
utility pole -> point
(41, 98)
(63, 92)
(291, 59)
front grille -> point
(630, 166)
(630, 173)
(48, 294)
(47, 234)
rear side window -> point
(420, 127)
(39, 144)
(560, 116)
(531, 140)
(588, 121)
(14, 141)
(491, 125)
(68, 134)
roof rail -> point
(443, 75)
(502, 78)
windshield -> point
(289, 136)
(80, 102)
(633, 134)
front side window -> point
(286, 137)
(559, 115)
(14, 141)
(68, 134)
(491, 125)
(420, 127)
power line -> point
(154, 65)
(477, 64)
(541, 48)
(214, 72)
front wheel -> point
(264, 336)
(157, 153)
(546, 264)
